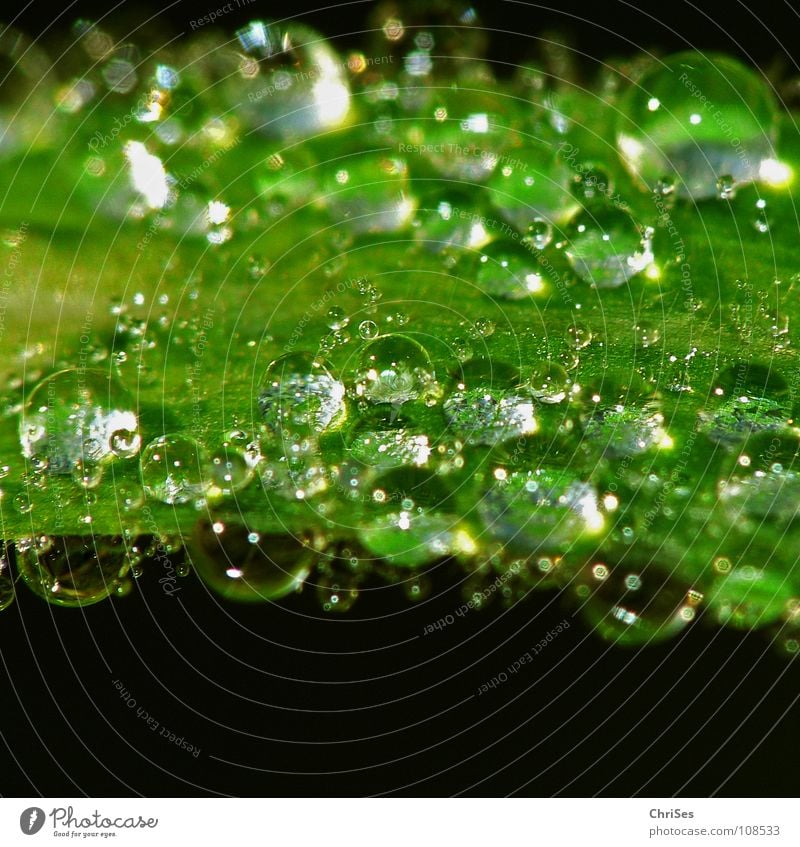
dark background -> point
(282, 701)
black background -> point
(282, 701)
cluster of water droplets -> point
(397, 448)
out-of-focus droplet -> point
(245, 566)
(285, 80)
(73, 570)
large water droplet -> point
(241, 565)
(539, 510)
(386, 439)
(78, 416)
(411, 524)
(395, 369)
(74, 570)
(697, 118)
(462, 134)
(229, 471)
(452, 220)
(747, 597)
(548, 382)
(625, 430)
(532, 182)
(370, 192)
(747, 398)
(630, 603)
(299, 396)
(490, 416)
(285, 80)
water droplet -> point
(73, 570)
(626, 430)
(284, 80)
(461, 134)
(748, 597)
(124, 443)
(87, 474)
(482, 328)
(647, 334)
(508, 271)
(130, 495)
(548, 382)
(665, 186)
(370, 193)
(337, 318)
(237, 568)
(73, 416)
(591, 183)
(761, 221)
(539, 234)
(395, 369)
(299, 396)
(410, 526)
(747, 398)
(579, 336)
(451, 220)
(229, 471)
(174, 469)
(726, 187)
(539, 511)
(368, 330)
(697, 117)
(655, 609)
(533, 182)
(337, 592)
(490, 416)
(606, 247)
(461, 349)
(387, 439)
(418, 588)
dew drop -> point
(533, 182)
(73, 416)
(300, 396)
(606, 247)
(368, 330)
(284, 80)
(726, 187)
(237, 568)
(74, 570)
(508, 271)
(548, 382)
(697, 117)
(337, 318)
(395, 369)
(174, 469)
(539, 233)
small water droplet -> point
(368, 330)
